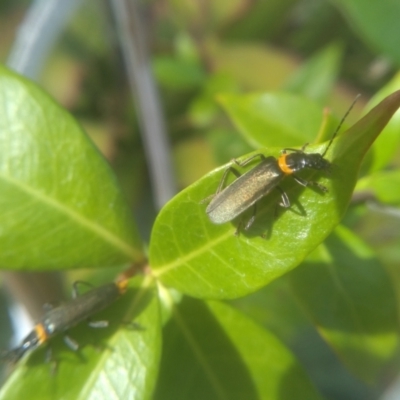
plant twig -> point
(133, 44)
(37, 33)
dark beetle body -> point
(245, 191)
(250, 187)
(61, 318)
(69, 314)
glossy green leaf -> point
(60, 206)
(212, 351)
(204, 260)
(388, 142)
(316, 77)
(274, 119)
(349, 296)
(124, 365)
(384, 186)
(376, 22)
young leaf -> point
(241, 361)
(205, 260)
(316, 77)
(125, 364)
(60, 206)
(273, 119)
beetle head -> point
(316, 161)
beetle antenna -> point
(340, 124)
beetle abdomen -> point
(245, 191)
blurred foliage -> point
(233, 77)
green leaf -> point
(316, 77)
(60, 206)
(376, 22)
(126, 367)
(274, 119)
(349, 296)
(204, 260)
(241, 361)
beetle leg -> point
(234, 171)
(285, 199)
(223, 179)
(305, 183)
(71, 343)
(253, 217)
(237, 232)
(304, 146)
(48, 354)
(49, 359)
(249, 222)
(248, 160)
(285, 150)
(285, 202)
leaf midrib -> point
(89, 225)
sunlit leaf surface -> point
(205, 260)
(60, 206)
